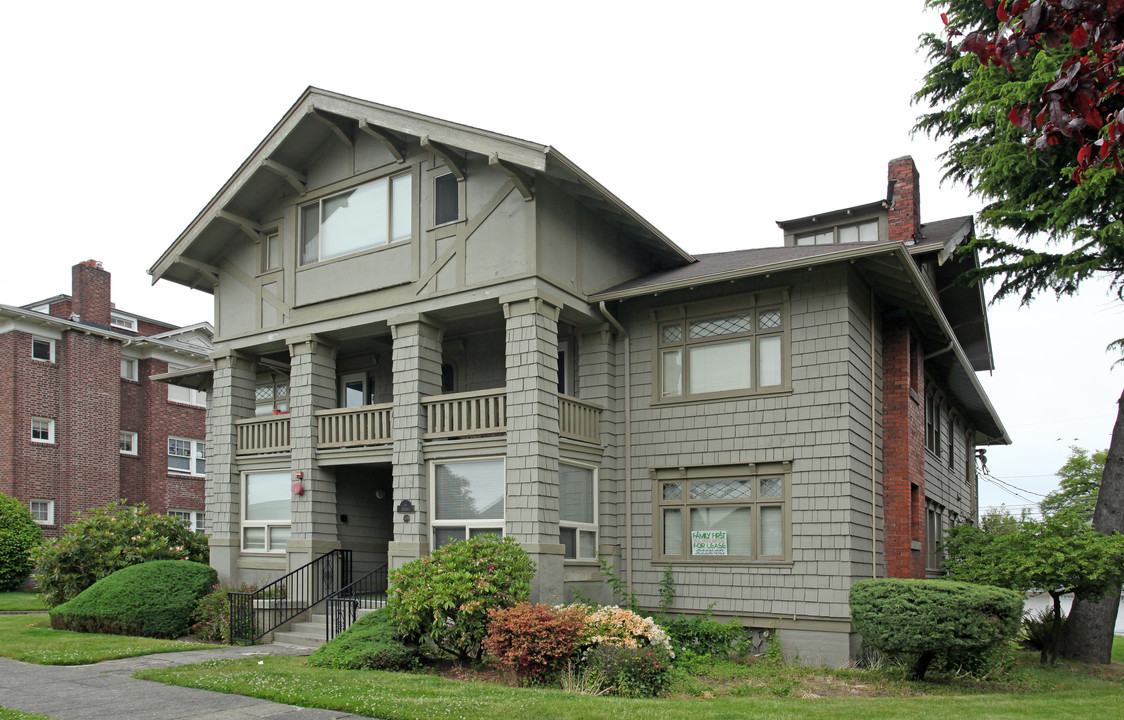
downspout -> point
(627, 443)
(873, 458)
(942, 351)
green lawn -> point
(7, 714)
(29, 638)
(1062, 692)
(20, 601)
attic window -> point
(361, 218)
(861, 232)
(445, 199)
(123, 321)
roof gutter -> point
(627, 442)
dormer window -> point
(860, 232)
(123, 322)
(364, 217)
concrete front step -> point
(307, 633)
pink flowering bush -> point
(535, 641)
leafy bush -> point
(212, 614)
(534, 640)
(632, 671)
(19, 535)
(703, 635)
(923, 620)
(445, 597)
(371, 643)
(611, 625)
(154, 599)
(109, 539)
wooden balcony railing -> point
(466, 414)
(354, 427)
(578, 419)
(263, 435)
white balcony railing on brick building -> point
(354, 427)
(578, 419)
(483, 412)
(263, 435)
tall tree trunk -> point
(1089, 627)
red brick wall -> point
(903, 450)
(91, 290)
(7, 414)
(905, 210)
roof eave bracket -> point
(393, 143)
(523, 182)
(251, 228)
(298, 180)
(454, 161)
(338, 130)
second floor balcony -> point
(452, 416)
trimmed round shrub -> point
(371, 643)
(19, 535)
(445, 597)
(106, 540)
(919, 621)
(154, 599)
(534, 640)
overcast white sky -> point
(713, 120)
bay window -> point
(723, 513)
(468, 499)
(577, 516)
(368, 216)
(266, 511)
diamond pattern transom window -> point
(771, 487)
(672, 333)
(720, 326)
(769, 319)
(721, 489)
(264, 393)
(673, 491)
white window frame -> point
(196, 520)
(302, 250)
(580, 527)
(50, 349)
(39, 424)
(129, 437)
(271, 397)
(197, 452)
(271, 239)
(129, 368)
(122, 322)
(756, 502)
(50, 511)
(267, 525)
(470, 527)
(182, 395)
(834, 235)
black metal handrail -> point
(255, 614)
(367, 592)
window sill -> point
(43, 443)
(185, 476)
(723, 562)
(352, 255)
(187, 405)
(720, 397)
(580, 562)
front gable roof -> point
(274, 165)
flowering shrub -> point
(632, 671)
(534, 640)
(445, 597)
(610, 625)
(105, 541)
(212, 614)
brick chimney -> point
(905, 200)
(90, 288)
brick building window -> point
(196, 520)
(43, 511)
(43, 349)
(42, 430)
(723, 512)
(266, 511)
(577, 516)
(184, 395)
(185, 456)
(128, 443)
(129, 368)
(468, 499)
(123, 322)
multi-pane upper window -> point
(861, 232)
(933, 424)
(935, 527)
(42, 430)
(128, 442)
(727, 512)
(43, 349)
(734, 352)
(195, 520)
(270, 398)
(129, 368)
(188, 396)
(186, 456)
(468, 499)
(373, 214)
(577, 502)
(123, 322)
(266, 511)
(43, 511)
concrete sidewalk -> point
(106, 690)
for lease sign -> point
(708, 542)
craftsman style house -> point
(426, 331)
(82, 424)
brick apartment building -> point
(81, 423)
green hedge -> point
(153, 599)
(371, 643)
(19, 535)
(920, 621)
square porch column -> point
(416, 370)
(231, 398)
(531, 507)
(312, 387)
